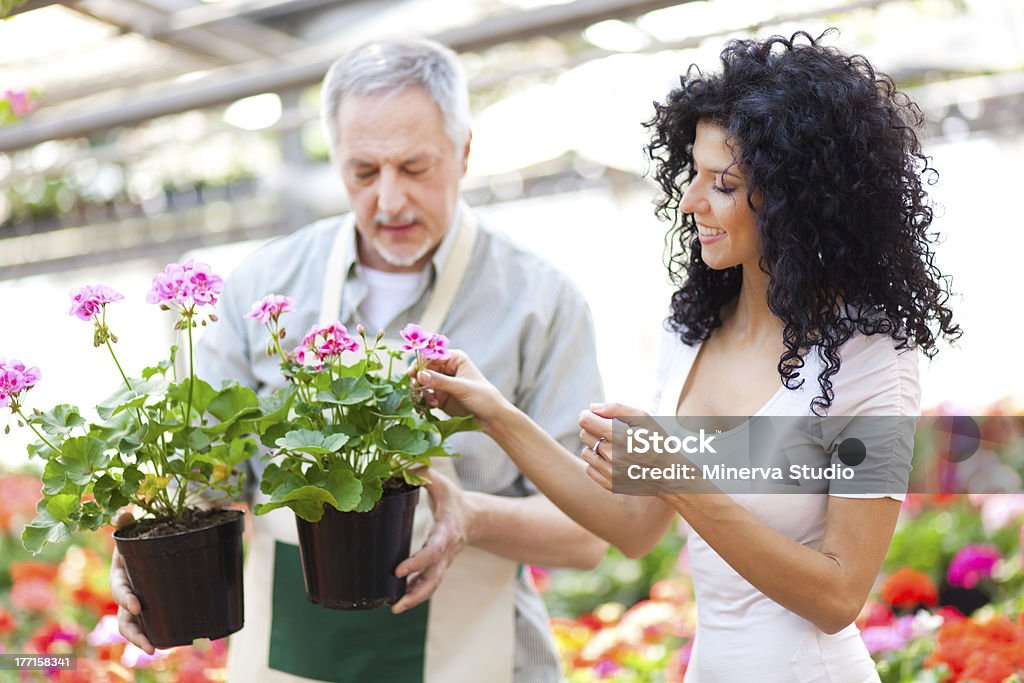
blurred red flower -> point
(7, 622)
(908, 588)
(981, 652)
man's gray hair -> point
(389, 66)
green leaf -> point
(403, 439)
(202, 394)
(270, 436)
(44, 529)
(354, 370)
(345, 489)
(142, 391)
(241, 450)
(396, 404)
(438, 452)
(347, 391)
(306, 501)
(93, 516)
(198, 440)
(61, 507)
(160, 368)
(133, 478)
(311, 442)
(413, 479)
(55, 478)
(61, 420)
(234, 402)
(454, 425)
(274, 477)
(372, 486)
(363, 418)
(81, 456)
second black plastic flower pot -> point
(189, 583)
(349, 558)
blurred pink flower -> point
(606, 668)
(134, 657)
(271, 307)
(106, 632)
(89, 300)
(33, 595)
(999, 509)
(891, 637)
(21, 102)
(971, 564)
(186, 285)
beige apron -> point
(470, 631)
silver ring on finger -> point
(597, 446)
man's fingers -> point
(419, 589)
(129, 628)
(124, 519)
(120, 588)
(430, 554)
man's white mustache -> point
(399, 219)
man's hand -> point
(449, 535)
(128, 606)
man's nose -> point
(390, 193)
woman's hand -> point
(601, 441)
(457, 387)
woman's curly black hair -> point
(829, 145)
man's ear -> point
(465, 153)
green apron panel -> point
(337, 645)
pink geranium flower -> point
(186, 285)
(270, 308)
(436, 347)
(415, 338)
(14, 379)
(87, 301)
(971, 564)
(426, 346)
(324, 342)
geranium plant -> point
(164, 442)
(358, 425)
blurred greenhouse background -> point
(134, 132)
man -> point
(397, 117)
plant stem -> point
(118, 364)
(33, 428)
(124, 376)
(191, 371)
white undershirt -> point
(387, 295)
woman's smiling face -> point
(717, 198)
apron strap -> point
(445, 287)
(470, 629)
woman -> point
(793, 179)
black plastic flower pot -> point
(349, 558)
(189, 583)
